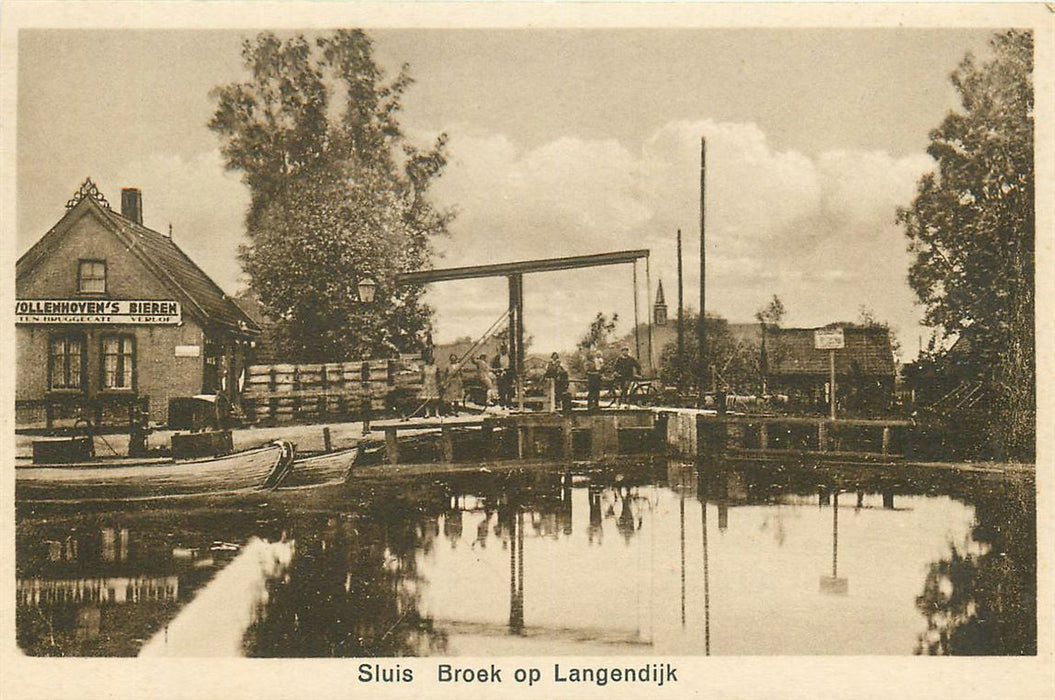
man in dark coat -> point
(555, 371)
(627, 369)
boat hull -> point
(257, 469)
(320, 470)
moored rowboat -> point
(257, 469)
(321, 469)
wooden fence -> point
(284, 393)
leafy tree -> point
(338, 194)
(866, 318)
(600, 335)
(768, 316)
(971, 228)
(772, 313)
(735, 361)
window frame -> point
(81, 278)
(82, 384)
(133, 375)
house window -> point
(91, 277)
(66, 362)
(118, 361)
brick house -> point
(110, 312)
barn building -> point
(864, 368)
(111, 314)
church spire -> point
(659, 309)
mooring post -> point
(822, 436)
(326, 440)
(596, 437)
(391, 445)
(567, 439)
(447, 443)
(487, 434)
(701, 440)
(886, 439)
(763, 436)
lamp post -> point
(366, 289)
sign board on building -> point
(95, 311)
(188, 351)
(829, 339)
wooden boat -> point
(321, 469)
(257, 469)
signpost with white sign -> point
(830, 339)
(150, 312)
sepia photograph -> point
(539, 357)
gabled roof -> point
(195, 290)
(790, 351)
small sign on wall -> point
(188, 351)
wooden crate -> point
(284, 378)
(332, 375)
(308, 376)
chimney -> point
(132, 204)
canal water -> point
(637, 558)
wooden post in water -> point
(487, 432)
(326, 440)
(391, 445)
(567, 439)
(822, 437)
(447, 443)
(886, 439)
(596, 437)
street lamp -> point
(367, 287)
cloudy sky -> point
(561, 142)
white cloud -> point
(818, 231)
(205, 204)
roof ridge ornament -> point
(88, 189)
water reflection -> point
(102, 585)
(519, 563)
(979, 598)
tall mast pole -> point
(681, 312)
(701, 369)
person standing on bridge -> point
(594, 367)
(627, 369)
(453, 389)
(430, 383)
(487, 378)
(555, 371)
(504, 375)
